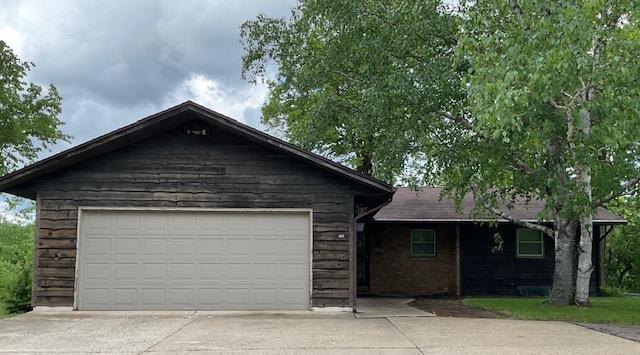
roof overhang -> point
(146, 126)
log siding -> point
(173, 169)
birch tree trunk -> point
(585, 264)
(564, 272)
(564, 275)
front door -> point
(363, 260)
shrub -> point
(16, 255)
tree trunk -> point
(622, 274)
(564, 276)
(366, 165)
(585, 264)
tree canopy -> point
(355, 79)
(552, 109)
(28, 113)
(623, 246)
(503, 100)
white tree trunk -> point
(564, 272)
(585, 247)
(585, 265)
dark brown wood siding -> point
(500, 272)
(221, 170)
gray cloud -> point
(117, 61)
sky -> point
(115, 62)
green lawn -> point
(625, 310)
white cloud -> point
(235, 103)
(118, 61)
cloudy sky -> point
(115, 62)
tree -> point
(546, 105)
(16, 254)
(552, 113)
(623, 246)
(28, 114)
(346, 71)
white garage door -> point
(146, 260)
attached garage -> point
(193, 259)
(188, 209)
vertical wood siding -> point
(485, 272)
(176, 170)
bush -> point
(611, 291)
(16, 255)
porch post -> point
(458, 281)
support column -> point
(458, 279)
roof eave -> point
(8, 181)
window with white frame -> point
(423, 242)
(530, 243)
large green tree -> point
(540, 100)
(354, 79)
(553, 112)
(28, 113)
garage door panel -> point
(98, 246)
(210, 246)
(126, 222)
(124, 296)
(180, 296)
(124, 272)
(97, 296)
(154, 272)
(154, 246)
(194, 260)
(97, 271)
(125, 246)
(211, 297)
(210, 271)
(153, 297)
(182, 246)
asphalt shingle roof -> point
(426, 205)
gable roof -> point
(426, 206)
(145, 127)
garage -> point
(193, 259)
(188, 209)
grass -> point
(623, 310)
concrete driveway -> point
(295, 333)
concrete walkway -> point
(295, 333)
(384, 307)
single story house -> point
(190, 209)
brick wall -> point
(394, 271)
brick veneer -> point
(393, 271)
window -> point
(530, 243)
(423, 242)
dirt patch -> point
(451, 307)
